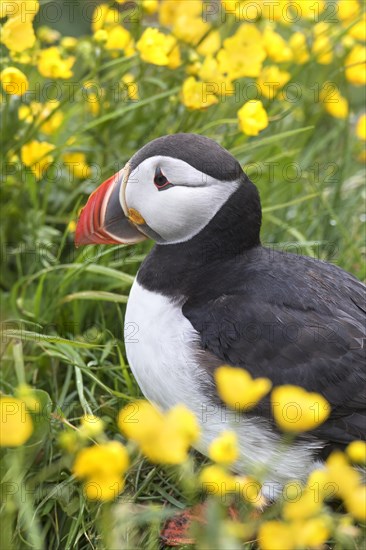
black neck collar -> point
(176, 268)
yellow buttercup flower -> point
(104, 17)
(322, 49)
(356, 65)
(16, 425)
(252, 119)
(52, 65)
(335, 104)
(14, 81)
(357, 451)
(209, 72)
(307, 506)
(26, 10)
(356, 503)
(311, 533)
(190, 29)
(91, 425)
(299, 48)
(276, 535)
(216, 480)
(150, 6)
(358, 31)
(224, 449)
(77, 165)
(69, 43)
(210, 44)
(276, 46)
(131, 86)
(348, 10)
(243, 53)
(309, 10)
(37, 111)
(118, 38)
(36, 155)
(163, 438)
(170, 11)
(238, 389)
(197, 95)
(271, 80)
(102, 467)
(296, 410)
(158, 48)
(17, 34)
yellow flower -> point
(47, 35)
(348, 10)
(158, 48)
(104, 488)
(216, 480)
(243, 53)
(197, 95)
(299, 48)
(276, 46)
(312, 533)
(209, 72)
(355, 503)
(118, 39)
(131, 86)
(335, 104)
(104, 17)
(305, 507)
(17, 34)
(101, 36)
(238, 389)
(91, 425)
(357, 451)
(322, 49)
(309, 10)
(35, 155)
(69, 43)
(252, 119)
(163, 438)
(356, 65)
(224, 449)
(36, 110)
(358, 31)
(150, 6)
(52, 65)
(13, 81)
(24, 9)
(276, 535)
(16, 425)
(77, 165)
(190, 29)
(271, 80)
(210, 44)
(71, 226)
(102, 466)
(170, 11)
(361, 127)
(296, 410)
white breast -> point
(161, 347)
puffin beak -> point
(103, 220)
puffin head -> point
(168, 191)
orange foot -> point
(177, 530)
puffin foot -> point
(177, 530)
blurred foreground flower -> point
(102, 467)
(356, 65)
(296, 410)
(16, 425)
(252, 117)
(335, 104)
(14, 81)
(361, 127)
(163, 438)
(238, 389)
(224, 449)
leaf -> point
(95, 296)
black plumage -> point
(293, 319)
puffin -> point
(209, 294)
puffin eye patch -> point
(160, 181)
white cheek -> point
(182, 211)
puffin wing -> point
(320, 349)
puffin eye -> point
(161, 181)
